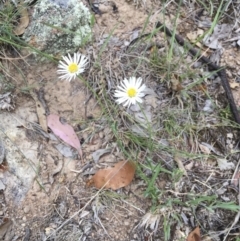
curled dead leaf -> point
(23, 21)
(194, 235)
(116, 177)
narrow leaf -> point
(64, 131)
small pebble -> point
(101, 135)
(126, 223)
(26, 209)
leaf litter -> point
(199, 176)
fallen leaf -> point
(116, 177)
(223, 164)
(64, 131)
(193, 36)
(210, 147)
(189, 166)
(204, 149)
(194, 235)
(233, 85)
(220, 32)
(24, 20)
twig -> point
(219, 70)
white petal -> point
(138, 83)
(121, 100)
(139, 100)
(125, 83)
(143, 87)
(119, 95)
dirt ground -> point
(45, 196)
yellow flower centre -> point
(73, 68)
(131, 92)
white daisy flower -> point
(71, 67)
(130, 91)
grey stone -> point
(59, 26)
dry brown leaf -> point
(24, 20)
(116, 177)
(194, 235)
